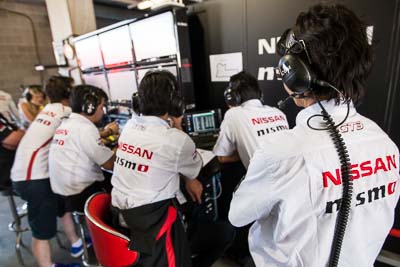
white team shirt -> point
(150, 157)
(245, 126)
(293, 182)
(31, 160)
(76, 155)
(8, 108)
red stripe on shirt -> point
(166, 229)
(34, 154)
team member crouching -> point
(77, 153)
(151, 157)
(247, 122)
(295, 187)
(30, 174)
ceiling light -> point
(145, 4)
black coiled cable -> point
(345, 205)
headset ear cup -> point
(27, 95)
(177, 105)
(231, 98)
(136, 103)
(296, 74)
(90, 103)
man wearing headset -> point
(35, 100)
(293, 187)
(247, 122)
(30, 174)
(77, 153)
(151, 158)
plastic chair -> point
(111, 247)
(395, 233)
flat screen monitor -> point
(202, 122)
(88, 53)
(154, 37)
(97, 79)
(116, 45)
(142, 72)
(122, 84)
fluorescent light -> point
(164, 3)
(145, 4)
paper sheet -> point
(206, 155)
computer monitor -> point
(202, 122)
(122, 84)
(154, 37)
(142, 72)
(116, 46)
(97, 79)
(88, 53)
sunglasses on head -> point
(288, 44)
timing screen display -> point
(201, 122)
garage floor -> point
(7, 242)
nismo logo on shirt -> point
(131, 165)
(270, 130)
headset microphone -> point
(282, 103)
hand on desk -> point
(110, 140)
(112, 127)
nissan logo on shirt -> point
(255, 122)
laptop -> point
(201, 123)
(203, 127)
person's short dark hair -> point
(77, 97)
(246, 85)
(101, 94)
(155, 92)
(58, 88)
(336, 40)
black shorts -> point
(43, 207)
(77, 202)
(6, 163)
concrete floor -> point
(7, 242)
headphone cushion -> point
(28, 95)
(177, 105)
(232, 98)
(90, 103)
(135, 103)
(296, 74)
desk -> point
(205, 141)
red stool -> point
(110, 246)
(395, 232)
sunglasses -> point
(288, 44)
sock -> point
(77, 243)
